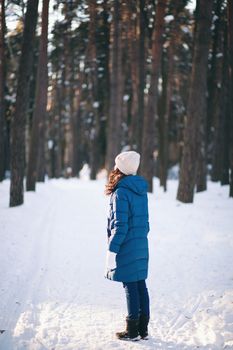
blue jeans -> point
(137, 299)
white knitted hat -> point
(127, 162)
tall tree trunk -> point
(225, 114)
(164, 141)
(37, 146)
(148, 139)
(217, 117)
(92, 59)
(141, 69)
(133, 53)
(106, 33)
(2, 91)
(201, 176)
(115, 109)
(170, 71)
(19, 120)
(212, 81)
(75, 111)
(230, 57)
(68, 7)
(90, 62)
(201, 166)
(56, 149)
(196, 108)
(41, 163)
(161, 113)
(77, 131)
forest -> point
(82, 80)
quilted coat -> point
(127, 228)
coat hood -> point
(134, 183)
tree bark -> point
(37, 135)
(225, 114)
(164, 140)
(161, 113)
(196, 107)
(148, 139)
(56, 130)
(92, 59)
(68, 10)
(114, 134)
(2, 91)
(77, 131)
(212, 81)
(230, 57)
(41, 164)
(217, 115)
(141, 60)
(133, 54)
(106, 85)
(19, 120)
(169, 86)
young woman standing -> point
(128, 255)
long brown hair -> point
(114, 177)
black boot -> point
(131, 332)
(142, 327)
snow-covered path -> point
(53, 294)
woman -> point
(128, 227)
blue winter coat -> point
(127, 228)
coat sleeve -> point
(120, 223)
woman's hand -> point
(110, 262)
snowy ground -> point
(52, 291)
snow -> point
(53, 294)
(96, 104)
(185, 46)
(169, 18)
(126, 98)
(50, 144)
(185, 30)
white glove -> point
(110, 260)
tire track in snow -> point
(17, 299)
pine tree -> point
(230, 95)
(148, 139)
(2, 91)
(196, 108)
(114, 134)
(93, 82)
(19, 120)
(168, 89)
(37, 135)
